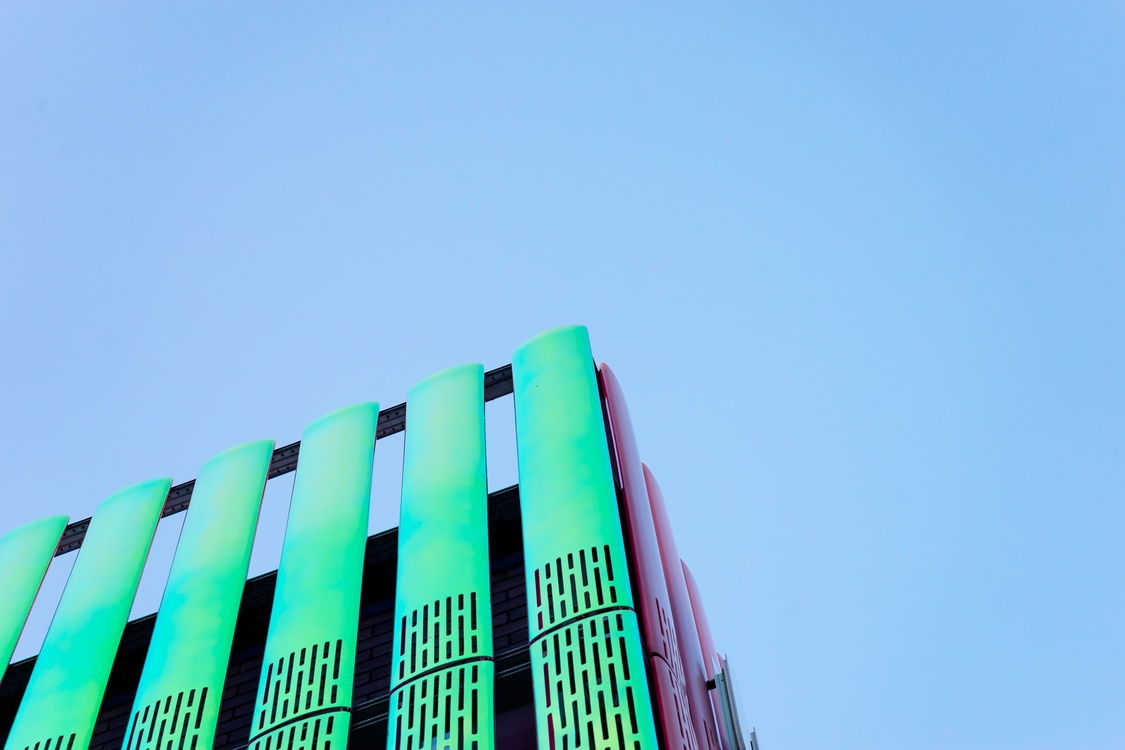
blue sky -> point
(859, 270)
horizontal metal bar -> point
(392, 420)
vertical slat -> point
(25, 554)
(443, 613)
(588, 665)
(66, 687)
(710, 653)
(688, 636)
(654, 604)
(191, 642)
(309, 660)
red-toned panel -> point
(651, 588)
(707, 642)
(690, 649)
(672, 703)
(652, 598)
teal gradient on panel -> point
(66, 687)
(315, 617)
(567, 496)
(443, 611)
(25, 555)
(588, 665)
(443, 523)
(191, 642)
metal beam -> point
(392, 420)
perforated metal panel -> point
(305, 691)
(302, 691)
(580, 582)
(695, 677)
(191, 641)
(588, 665)
(590, 685)
(442, 674)
(662, 646)
(450, 709)
(438, 633)
(25, 554)
(55, 743)
(173, 723)
(671, 686)
(66, 687)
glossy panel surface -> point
(568, 501)
(178, 697)
(691, 652)
(706, 641)
(66, 687)
(307, 671)
(654, 605)
(588, 664)
(707, 645)
(25, 554)
(442, 671)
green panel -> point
(66, 687)
(306, 685)
(587, 660)
(567, 496)
(442, 675)
(24, 556)
(178, 697)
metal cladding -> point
(178, 697)
(587, 661)
(66, 687)
(25, 554)
(662, 649)
(306, 684)
(442, 670)
(707, 643)
(617, 648)
(690, 649)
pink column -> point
(661, 650)
(710, 654)
(695, 671)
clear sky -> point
(860, 271)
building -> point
(553, 614)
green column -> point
(66, 687)
(24, 556)
(588, 666)
(177, 700)
(306, 685)
(442, 670)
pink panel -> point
(672, 704)
(707, 643)
(652, 598)
(694, 671)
